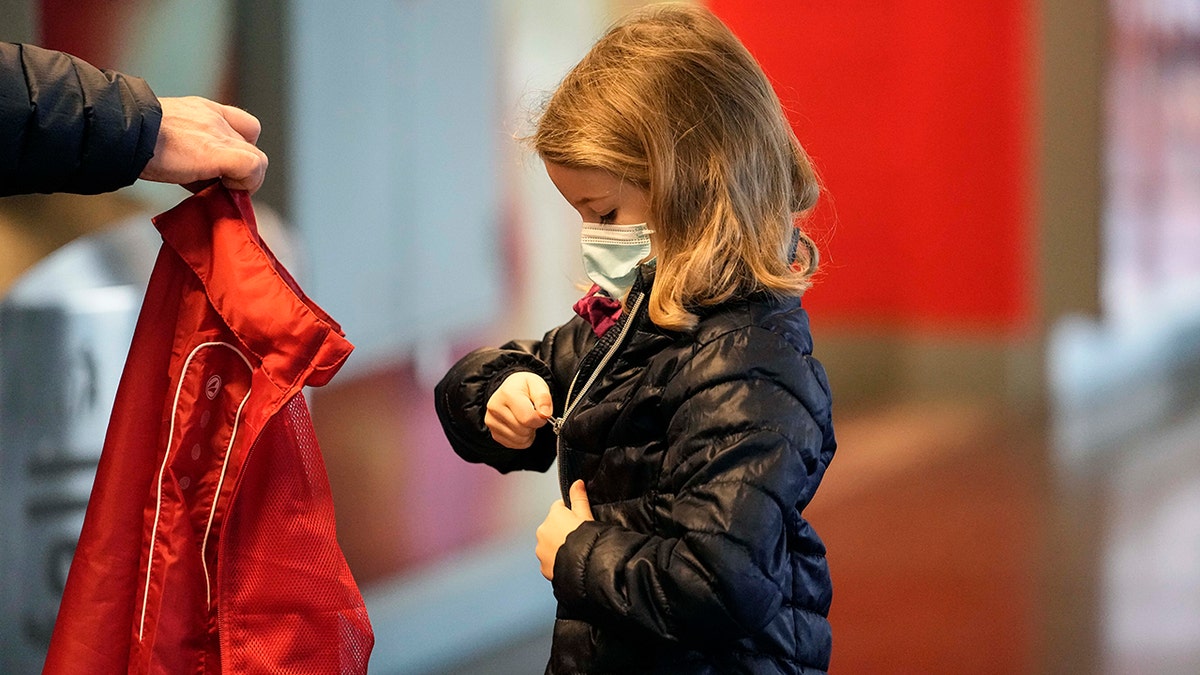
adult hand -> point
(200, 140)
(518, 409)
(560, 522)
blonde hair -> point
(671, 101)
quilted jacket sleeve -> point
(748, 441)
(66, 126)
(461, 396)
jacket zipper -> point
(557, 422)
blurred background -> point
(1009, 308)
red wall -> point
(919, 116)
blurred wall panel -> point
(393, 135)
(1123, 376)
(919, 115)
(921, 119)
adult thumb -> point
(580, 505)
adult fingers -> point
(243, 168)
(244, 123)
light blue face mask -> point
(611, 254)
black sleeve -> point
(461, 396)
(66, 126)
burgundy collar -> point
(598, 309)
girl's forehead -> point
(581, 185)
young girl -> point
(690, 422)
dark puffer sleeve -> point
(747, 444)
(66, 126)
(461, 396)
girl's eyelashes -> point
(608, 218)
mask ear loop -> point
(812, 256)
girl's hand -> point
(518, 409)
(560, 522)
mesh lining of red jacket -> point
(209, 542)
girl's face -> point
(602, 197)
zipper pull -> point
(555, 422)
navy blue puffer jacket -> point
(699, 452)
(66, 126)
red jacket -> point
(209, 542)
